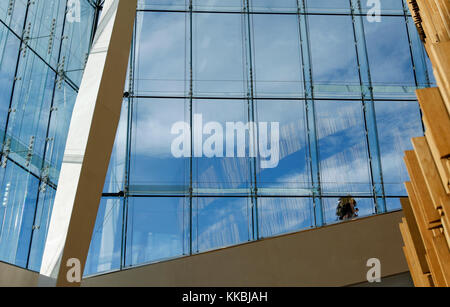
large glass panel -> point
(157, 229)
(274, 6)
(327, 6)
(44, 30)
(290, 172)
(35, 111)
(343, 151)
(393, 204)
(163, 5)
(12, 14)
(397, 123)
(334, 61)
(221, 222)
(61, 115)
(282, 215)
(218, 5)
(277, 57)
(106, 244)
(115, 179)
(9, 48)
(219, 61)
(30, 111)
(76, 43)
(18, 202)
(221, 162)
(41, 224)
(161, 54)
(389, 53)
(154, 169)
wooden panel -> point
(440, 57)
(437, 123)
(426, 236)
(435, 188)
(444, 173)
(436, 118)
(442, 256)
(444, 12)
(429, 171)
(427, 210)
(446, 221)
(414, 230)
(436, 274)
(420, 279)
(430, 28)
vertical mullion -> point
(15, 76)
(41, 179)
(252, 119)
(130, 109)
(368, 105)
(191, 94)
(311, 124)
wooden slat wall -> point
(426, 226)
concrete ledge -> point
(12, 276)
(335, 255)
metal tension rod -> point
(89, 145)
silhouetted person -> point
(346, 208)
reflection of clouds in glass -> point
(273, 6)
(157, 229)
(389, 54)
(152, 160)
(293, 144)
(162, 4)
(161, 53)
(219, 63)
(284, 215)
(221, 222)
(397, 123)
(333, 50)
(116, 171)
(344, 165)
(277, 55)
(105, 250)
(327, 5)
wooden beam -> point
(426, 235)
(430, 172)
(437, 123)
(416, 241)
(419, 278)
(429, 213)
(440, 57)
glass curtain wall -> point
(43, 50)
(339, 84)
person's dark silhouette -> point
(346, 208)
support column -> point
(367, 97)
(89, 144)
(313, 144)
